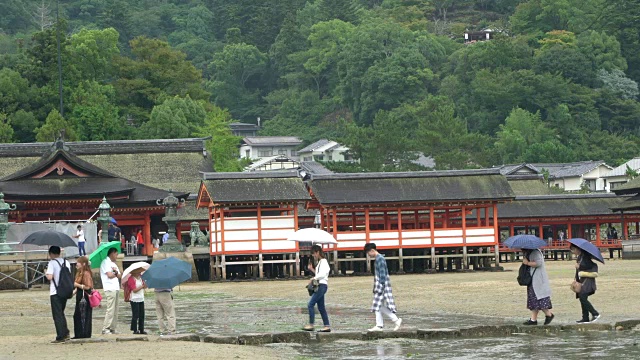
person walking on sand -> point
(110, 276)
(321, 273)
(383, 303)
(165, 311)
(58, 303)
(83, 284)
(539, 291)
(586, 273)
(137, 286)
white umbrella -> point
(135, 266)
(313, 235)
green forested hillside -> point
(388, 78)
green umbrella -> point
(100, 253)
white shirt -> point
(80, 234)
(137, 296)
(54, 269)
(322, 271)
(109, 284)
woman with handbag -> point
(584, 284)
(539, 291)
(83, 284)
(321, 276)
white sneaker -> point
(398, 324)
(106, 332)
(595, 318)
(375, 329)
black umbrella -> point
(50, 238)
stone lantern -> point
(105, 215)
(4, 222)
(171, 218)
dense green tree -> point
(53, 126)
(223, 145)
(91, 54)
(94, 112)
(235, 72)
(6, 131)
(23, 123)
(174, 118)
(155, 72)
(14, 91)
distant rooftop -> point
(621, 170)
(271, 140)
(564, 170)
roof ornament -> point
(59, 143)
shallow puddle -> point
(596, 345)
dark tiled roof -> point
(424, 186)
(528, 185)
(632, 187)
(314, 168)
(271, 140)
(243, 126)
(252, 187)
(315, 145)
(189, 212)
(55, 156)
(558, 206)
(513, 169)
(107, 147)
(164, 164)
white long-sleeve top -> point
(322, 271)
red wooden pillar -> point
(445, 221)
(400, 229)
(540, 232)
(486, 217)
(478, 219)
(569, 235)
(366, 224)
(598, 239)
(496, 234)
(259, 218)
(146, 234)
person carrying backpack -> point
(60, 290)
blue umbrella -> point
(113, 221)
(167, 273)
(524, 242)
(588, 247)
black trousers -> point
(140, 247)
(58, 303)
(587, 308)
(137, 316)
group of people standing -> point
(111, 276)
(539, 290)
(383, 302)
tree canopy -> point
(393, 80)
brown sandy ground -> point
(27, 327)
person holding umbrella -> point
(538, 289)
(321, 276)
(586, 273)
(133, 281)
(163, 276)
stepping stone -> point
(333, 336)
(627, 325)
(87, 341)
(588, 327)
(255, 339)
(438, 333)
(132, 338)
(180, 337)
(293, 337)
(219, 339)
(405, 334)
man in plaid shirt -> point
(382, 296)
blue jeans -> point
(81, 250)
(318, 298)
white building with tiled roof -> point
(573, 176)
(618, 176)
(261, 147)
(325, 150)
